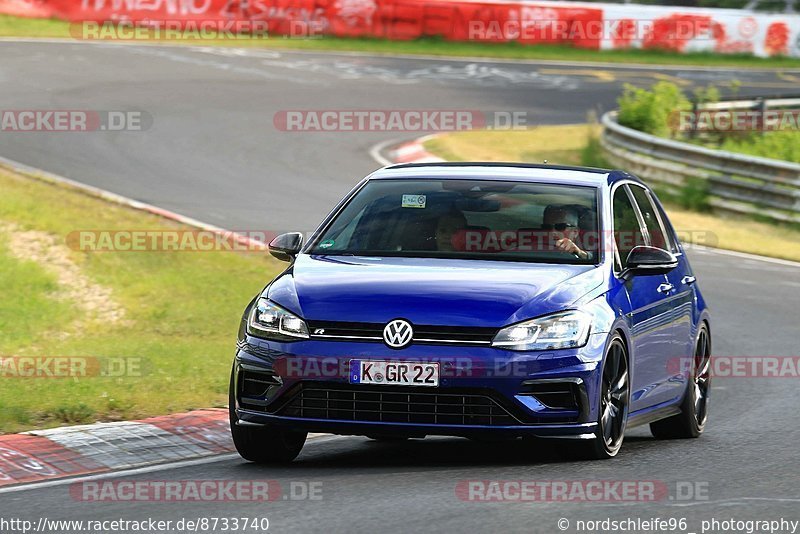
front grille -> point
(391, 405)
(423, 334)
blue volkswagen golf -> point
(477, 300)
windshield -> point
(466, 219)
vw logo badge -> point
(398, 333)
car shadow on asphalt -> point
(364, 453)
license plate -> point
(394, 373)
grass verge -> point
(166, 322)
(11, 26)
(567, 145)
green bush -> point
(649, 111)
(784, 145)
(694, 195)
(706, 94)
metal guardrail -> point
(737, 183)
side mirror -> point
(286, 246)
(650, 260)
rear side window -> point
(627, 232)
(657, 235)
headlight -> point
(270, 321)
(562, 330)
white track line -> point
(108, 196)
(375, 151)
(744, 255)
(467, 59)
(146, 469)
(121, 473)
(733, 501)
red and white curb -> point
(57, 453)
(414, 152)
(89, 449)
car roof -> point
(522, 172)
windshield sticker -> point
(327, 243)
(414, 201)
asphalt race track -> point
(213, 153)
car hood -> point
(429, 291)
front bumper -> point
(304, 386)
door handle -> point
(688, 280)
(665, 288)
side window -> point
(627, 232)
(669, 231)
(657, 235)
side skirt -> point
(651, 415)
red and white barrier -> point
(593, 26)
(702, 30)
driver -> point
(448, 225)
(562, 223)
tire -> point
(263, 445)
(692, 420)
(615, 395)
